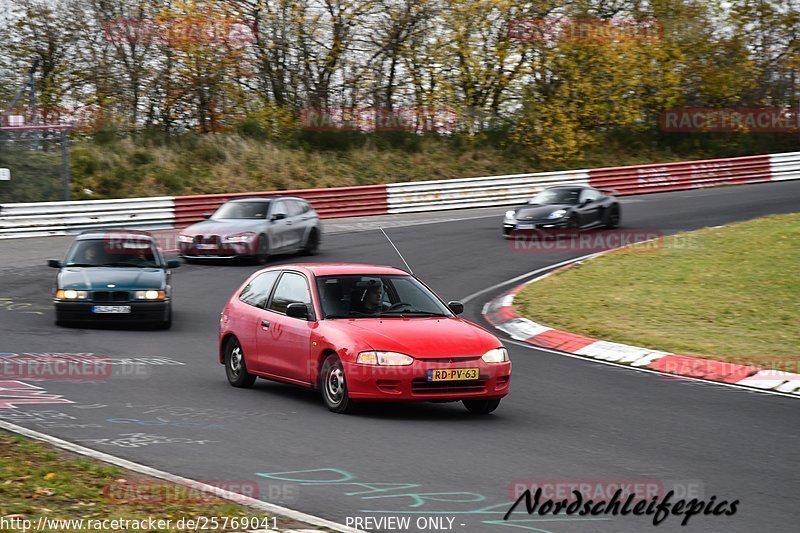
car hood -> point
(422, 338)
(99, 278)
(537, 212)
(224, 226)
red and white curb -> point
(502, 315)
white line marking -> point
(166, 476)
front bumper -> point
(519, 226)
(141, 312)
(216, 250)
(410, 383)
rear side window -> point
(257, 291)
(292, 288)
(304, 207)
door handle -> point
(265, 324)
(289, 222)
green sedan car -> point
(113, 276)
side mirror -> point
(456, 307)
(54, 263)
(278, 216)
(297, 310)
(207, 215)
(173, 263)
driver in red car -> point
(370, 300)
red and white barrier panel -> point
(63, 218)
(501, 314)
(335, 202)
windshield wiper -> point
(413, 312)
(125, 264)
(351, 314)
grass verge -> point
(730, 294)
(37, 480)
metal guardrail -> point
(63, 218)
(417, 196)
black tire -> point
(481, 407)
(262, 250)
(235, 366)
(312, 243)
(167, 323)
(613, 217)
(572, 222)
(333, 385)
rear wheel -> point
(235, 366)
(312, 243)
(481, 407)
(334, 386)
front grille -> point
(453, 359)
(423, 386)
(207, 239)
(111, 296)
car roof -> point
(113, 234)
(342, 269)
(266, 198)
(570, 187)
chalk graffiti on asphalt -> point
(140, 440)
(44, 419)
(14, 393)
(410, 498)
(175, 411)
(159, 421)
(13, 304)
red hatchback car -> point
(359, 333)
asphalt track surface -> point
(565, 419)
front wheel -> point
(481, 407)
(235, 366)
(334, 386)
(613, 217)
(262, 250)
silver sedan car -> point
(253, 228)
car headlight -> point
(185, 238)
(557, 214)
(497, 355)
(70, 294)
(240, 237)
(384, 359)
(510, 214)
(150, 295)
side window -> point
(279, 208)
(292, 288)
(257, 291)
(304, 207)
(590, 194)
(294, 208)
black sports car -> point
(572, 207)
(114, 276)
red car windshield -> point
(366, 296)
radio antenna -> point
(396, 250)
